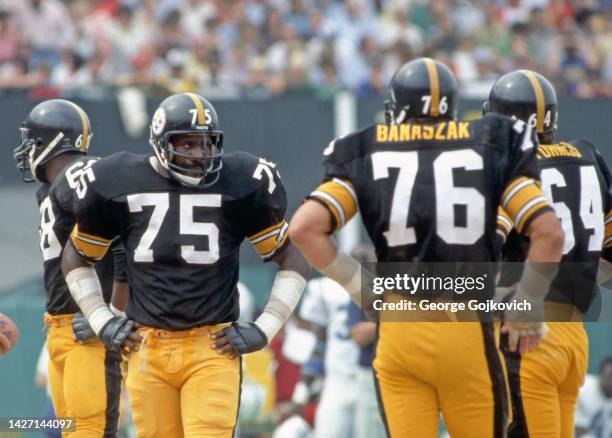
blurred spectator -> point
(9, 37)
(594, 407)
(47, 27)
(309, 46)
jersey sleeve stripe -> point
(608, 218)
(330, 201)
(267, 245)
(91, 238)
(608, 231)
(513, 189)
(340, 199)
(86, 248)
(274, 227)
(503, 224)
(520, 199)
(349, 188)
(529, 210)
(608, 242)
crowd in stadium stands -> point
(262, 48)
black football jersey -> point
(430, 192)
(577, 182)
(57, 221)
(182, 243)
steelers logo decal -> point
(159, 121)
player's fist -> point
(118, 334)
(81, 330)
(239, 337)
(8, 334)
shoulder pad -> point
(585, 147)
(73, 180)
(243, 174)
(349, 147)
(123, 172)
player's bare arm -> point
(545, 251)
(284, 296)
(310, 231)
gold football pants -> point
(85, 380)
(544, 384)
(424, 368)
(179, 386)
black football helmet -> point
(52, 128)
(528, 96)
(188, 113)
(422, 88)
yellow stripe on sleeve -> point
(269, 240)
(504, 223)
(88, 245)
(340, 199)
(530, 209)
(271, 228)
(521, 200)
(608, 230)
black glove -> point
(115, 332)
(81, 329)
(246, 338)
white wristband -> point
(85, 288)
(284, 297)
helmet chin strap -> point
(191, 181)
(183, 179)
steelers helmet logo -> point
(159, 121)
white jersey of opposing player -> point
(326, 304)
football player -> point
(182, 213)
(84, 377)
(544, 384)
(428, 188)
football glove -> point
(81, 329)
(115, 332)
(246, 337)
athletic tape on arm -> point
(86, 290)
(284, 297)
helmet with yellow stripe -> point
(422, 88)
(187, 118)
(53, 127)
(528, 96)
